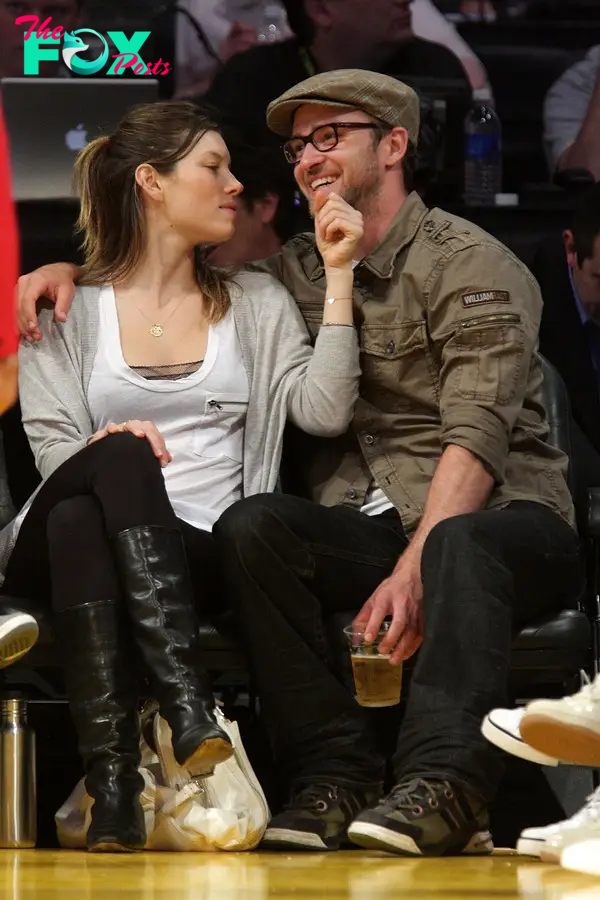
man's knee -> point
(454, 535)
(248, 519)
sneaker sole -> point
(286, 839)
(506, 741)
(209, 754)
(535, 847)
(16, 640)
(571, 743)
(377, 837)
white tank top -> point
(201, 416)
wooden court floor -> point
(357, 875)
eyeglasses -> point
(323, 138)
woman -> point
(201, 373)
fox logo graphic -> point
(42, 42)
(73, 45)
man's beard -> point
(364, 196)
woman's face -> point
(199, 194)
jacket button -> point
(391, 347)
(429, 225)
(351, 494)
(369, 440)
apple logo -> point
(76, 139)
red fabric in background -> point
(9, 253)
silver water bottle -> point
(18, 807)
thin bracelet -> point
(339, 324)
(332, 300)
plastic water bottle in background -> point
(272, 27)
(483, 151)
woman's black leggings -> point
(63, 549)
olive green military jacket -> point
(448, 323)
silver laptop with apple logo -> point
(49, 120)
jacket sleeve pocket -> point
(488, 358)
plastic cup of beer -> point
(377, 682)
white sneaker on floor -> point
(568, 729)
(549, 841)
(502, 728)
(18, 633)
(584, 856)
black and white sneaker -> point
(316, 818)
(18, 633)
(425, 818)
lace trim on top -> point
(171, 372)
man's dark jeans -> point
(289, 564)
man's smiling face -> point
(351, 169)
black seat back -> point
(558, 412)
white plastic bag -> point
(224, 811)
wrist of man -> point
(410, 561)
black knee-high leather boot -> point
(103, 698)
(157, 586)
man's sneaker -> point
(548, 842)
(425, 818)
(18, 633)
(316, 818)
(502, 727)
(568, 729)
(583, 856)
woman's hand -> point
(141, 430)
(339, 229)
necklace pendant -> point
(156, 331)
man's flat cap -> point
(385, 99)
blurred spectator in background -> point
(220, 36)
(567, 268)
(429, 23)
(63, 12)
(9, 270)
(267, 215)
(572, 117)
(478, 9)
(329, 34)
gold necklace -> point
(157, 329)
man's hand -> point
(140, 429)
(399, 596)
(56, 282)
(240, 38)
(339, 228)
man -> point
(567, 268)
(18, 631)
(572, 117)
(197, 61)
(329, 34)
(443, 507)
(63, 12)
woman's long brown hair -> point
(111, 215)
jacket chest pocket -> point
(221, 430)
(396, 358)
